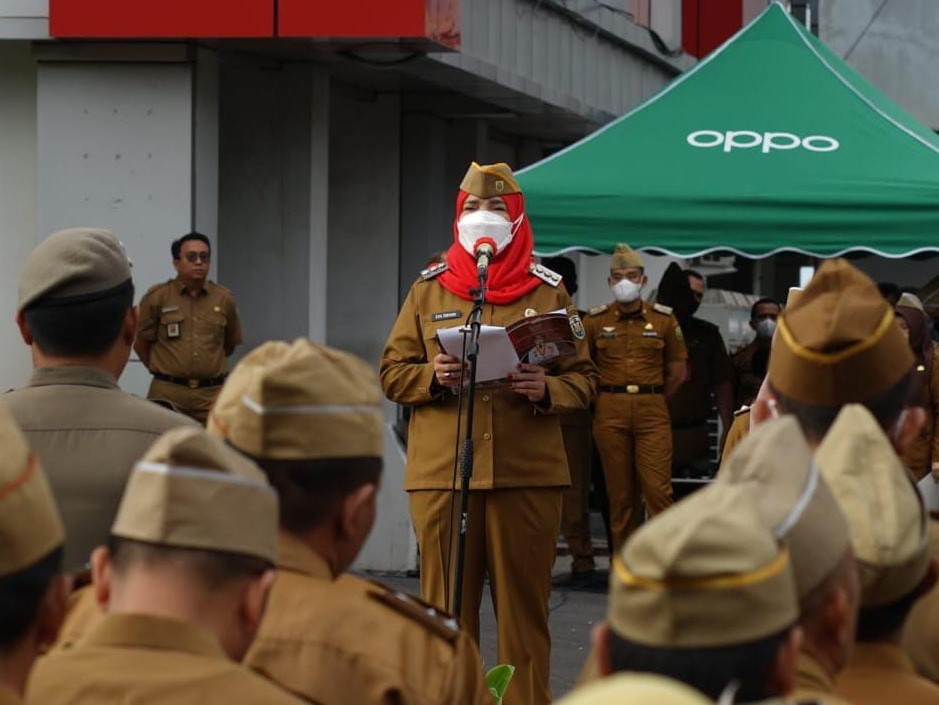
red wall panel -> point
(161, 18)
(706, 24)
(352, 18)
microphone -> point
(484, 250)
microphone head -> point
(484, 246)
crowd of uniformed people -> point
(153, 556)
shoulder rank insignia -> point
(662, 308)
(434, 271)
(436, 621)
(577, 325)
(598, 309)
(548, 276)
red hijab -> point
(509, 275)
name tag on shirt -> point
(446, 316)
(649, 334)
(169, 309)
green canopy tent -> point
(771, 143)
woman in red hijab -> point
(519, 465)
(924, 391)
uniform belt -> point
(632, 388)
(191, 383)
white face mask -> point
(626, 291)
(482, 223)
(898, 428)
(766, 328)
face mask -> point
(626, 291)
(766, 328)
(482, 223)
(898, 428)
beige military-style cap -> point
(74, 265)
(301, 401)
(839, 343)
(774, 464)
(706, 573)
(889, 525)
(795, 293)
(190, 490)
(30, 526)
(909, 300)
(639, 688)
(625, 257)
(489, 180)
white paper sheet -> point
(497, 357)
(929, 491)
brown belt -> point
(632, 388)
(191, 383)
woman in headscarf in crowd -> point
(924, 392)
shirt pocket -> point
(612, 348)
(212, 326)
(171, 326)
(650, 348)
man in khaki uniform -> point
(775, 467)
(578, 447)
(519, 464)
(32, 591)
(641, 358)
(749, 362)
(311, 417)
(634, 688)
(76, 312)
(184, 583)
(189, 326)
(890, 534)
(704, 594)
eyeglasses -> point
(193, 257)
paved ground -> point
(573, 615)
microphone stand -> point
(466, 455)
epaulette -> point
(742, 410)
(662, 308)
(425, 614)
(598, 309)
(157, 286)
(434, 270)
(224, 288)
(548, 276)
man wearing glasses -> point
(188, 328)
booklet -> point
(536, 340)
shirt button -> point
(486, 398)
(487, 436)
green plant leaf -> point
(498, 679)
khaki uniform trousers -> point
(194, 403)
(511, 538)
(634, 437)
(575, 505)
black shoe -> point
(582, 581)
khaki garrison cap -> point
(30, 527)
(706, 573)
(795, 293)
(190, 490)
(774, 464)
(637, 688)
(839, 343)
(489, 180)
(889, 526)
(301, 401)
(69, 266)
(625, 257)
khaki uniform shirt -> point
(709, 366)
(814, 684)
(517, 444)
(633, 348)
(133, 658)
(739, 430)
(881, 674)
(88, 434)
(192, 336)
(749, 363)
(8, 696)
(351, 641)
(921, 633)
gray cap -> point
(78, 264)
